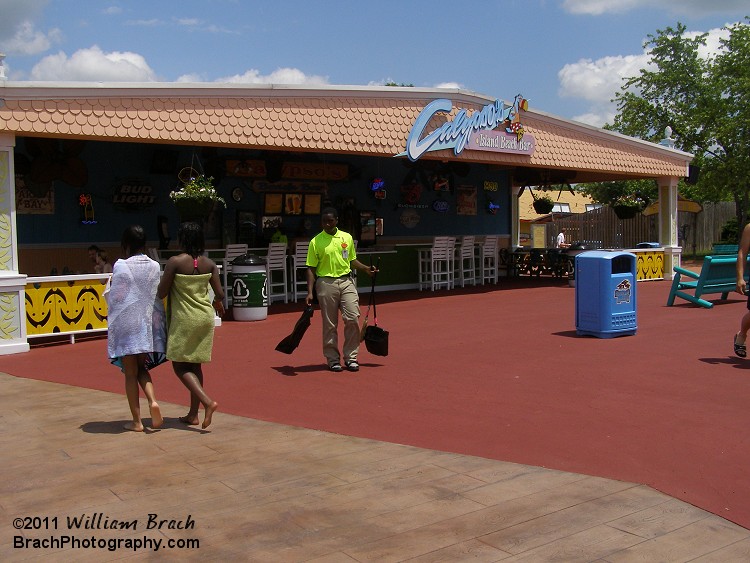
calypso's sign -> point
(476, 131)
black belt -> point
(345, 276)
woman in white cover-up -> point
(136, 336)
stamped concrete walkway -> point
(260, 491)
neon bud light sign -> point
(453, 134)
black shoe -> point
(352, 366)
(740, 349)
(335, 367)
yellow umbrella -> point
(683, 204)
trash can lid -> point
(249, 260)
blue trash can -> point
(606, 293)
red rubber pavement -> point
(497, 372)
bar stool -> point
(489, 259)
(436, 264)
(466, 263)
(276, 262)
(299, 262)
(452, 260)
(231, 252)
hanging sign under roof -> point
(496, 127)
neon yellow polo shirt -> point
(331, 255)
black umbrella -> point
(290, 343)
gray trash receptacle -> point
(606, 293)
(249, 284)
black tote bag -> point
(290, 343)
(375, 337)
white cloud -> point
(278, 76)
(712, 45)
(197, 25)
(27, 40)
(18, 34)
(15, 13)
(93, 64)
(680, 7)
(599, 7)
(449, 85)
(192, 77)
(597, 81)
(596, 119)
(145, 23)
(112, 11)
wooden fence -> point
(601, 228)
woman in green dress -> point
(190, 316)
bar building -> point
(80, 161)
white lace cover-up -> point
(136, 318)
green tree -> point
(706, 102)
(608, 193)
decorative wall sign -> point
(379, 226)
(377, 187)
(312, 204)
(411, 192)
(319, 171)
(441, 181)
(470, 131)
(466, 200)
(440, 206)
(86, 203)
(377, 184)
(30, 203)
(133, 194)
(293, 204)
(274, 204)
(246, 168)
(289, 186)
(490, 186)
(409, 218)
(270, 222)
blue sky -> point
(566, 56)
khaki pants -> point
(336, 294)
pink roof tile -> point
(359, 121)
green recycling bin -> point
(249, 285)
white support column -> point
(12, 283)
(515, 219)
(668, 237)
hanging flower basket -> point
(543, 205)
(626, 211)
(196, 199)
(194, 209)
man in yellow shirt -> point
(330, 259)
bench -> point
(718, 275)
(723, 249)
